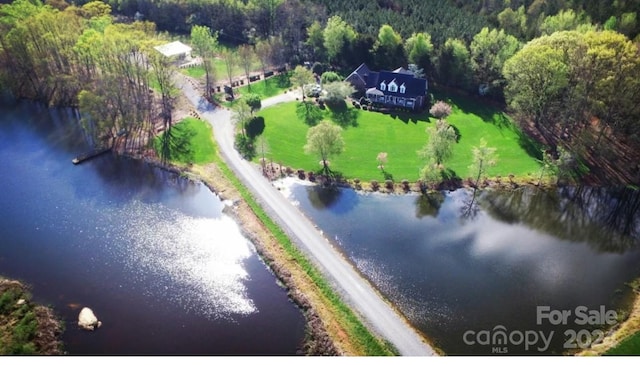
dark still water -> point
(152, 254)
(485, 269)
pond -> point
(462, 271)
(154, 256)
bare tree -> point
(230, 60)
(246, 56)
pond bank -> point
(276, 171)
(623, 331)
(26, 327)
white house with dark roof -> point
(397, 88)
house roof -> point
(362, 75)
(374, 91)
(372, 80)
(414, 86)
(402, 70)
(173, 49)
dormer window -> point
(403, 89)
(393, 87)
(383, 86)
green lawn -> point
(401, 136)
(630, 346)
(219, 70)
(266, 88)
(200, 150)
(196, 71)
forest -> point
(567, 70)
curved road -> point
(356, 290)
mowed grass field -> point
(401, 136)
(201, 148)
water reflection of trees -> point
(129, 177)
(470, 206)
(429, 204)
(606, 218)
(336, 199)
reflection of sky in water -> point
(448, 273)
(200, 258)
(150, 252)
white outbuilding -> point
(175, 49)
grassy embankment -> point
(26, 328)
(306, 283)
(401, 135)
(626, 339)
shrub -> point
(388, 184)
(330, 76)
(318, 68)
(245, 147)
(375, 185)
(405, 184)
(440, 110)
(254, 102)
(255, 127)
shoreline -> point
(46, 339)
(621, 331)
(418, 186)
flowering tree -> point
(440, 110)
(382, 160)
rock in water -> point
(87, 320)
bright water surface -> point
(452, 267)
(152, 254)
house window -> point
(393, 87)
(403, 89)
(383, 86)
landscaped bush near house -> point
(440, 110)
(330, 76)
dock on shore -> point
(91, 154)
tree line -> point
(562, 64)
(65, 55)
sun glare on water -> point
(200, 260)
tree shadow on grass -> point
(410, 117)
(533, 148)
(344, 116)
(282, 80)
(386, 175)
(472, 104)
(501, 121)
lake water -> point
(461, 271)
(151, 253)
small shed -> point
(175, 49)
